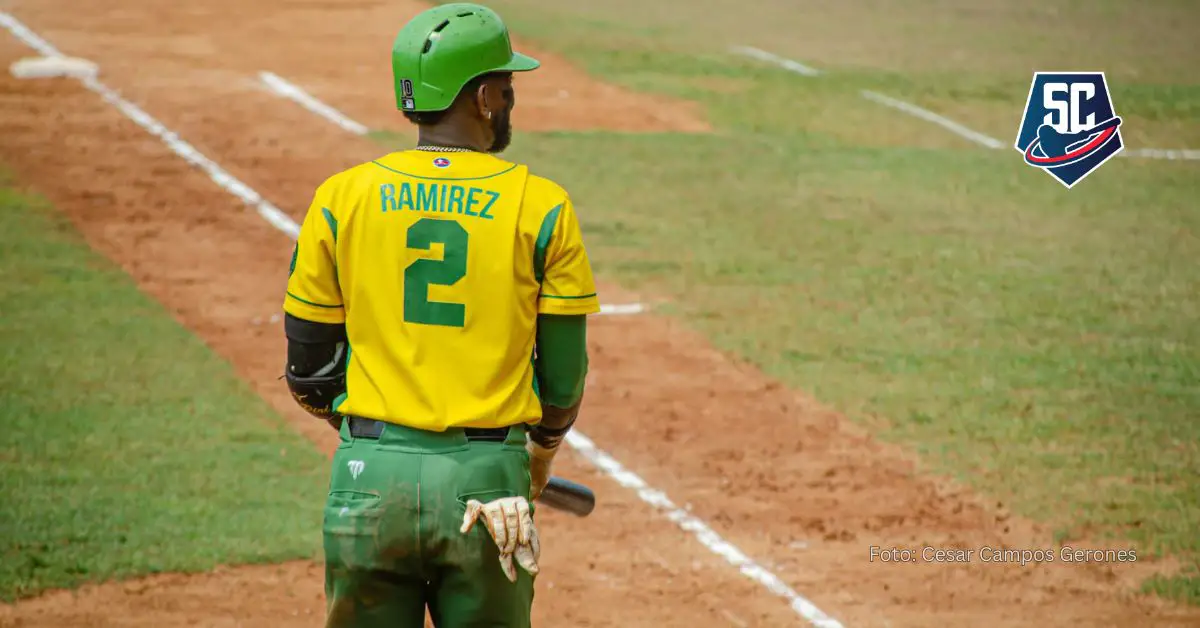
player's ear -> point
(491, 102)
(484, 100)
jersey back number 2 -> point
(420, 274)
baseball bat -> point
(568, 496)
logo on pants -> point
(356, 467)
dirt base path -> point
(795, 486)
(341, 49)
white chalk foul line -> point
(706, 535)
(929, 116)
(1162, 153)
(787, 64)
(991, 142)
(31, 39)
(293, 92)
(888, 101)
(156, 128)
(943, 121)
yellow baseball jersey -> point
(438, 264)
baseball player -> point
(436, 316)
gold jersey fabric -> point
(438, 265)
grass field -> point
(1037, 343)
(128, 447)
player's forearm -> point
(561, 368)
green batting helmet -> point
(443, 48)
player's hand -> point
(540, 459)
(510, 523)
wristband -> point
(549, 438)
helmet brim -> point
(520, 63)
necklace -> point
(445, 149)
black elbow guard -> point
(317, 394)
(316, 365)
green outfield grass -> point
(1037, 343)
(128, 447)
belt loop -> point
(516, 435)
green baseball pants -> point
(392, 540)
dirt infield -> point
(792, 484)
(338, 50)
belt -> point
(362, 427)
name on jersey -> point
(438, 197)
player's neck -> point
(444, 136)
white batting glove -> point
(510, 523)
